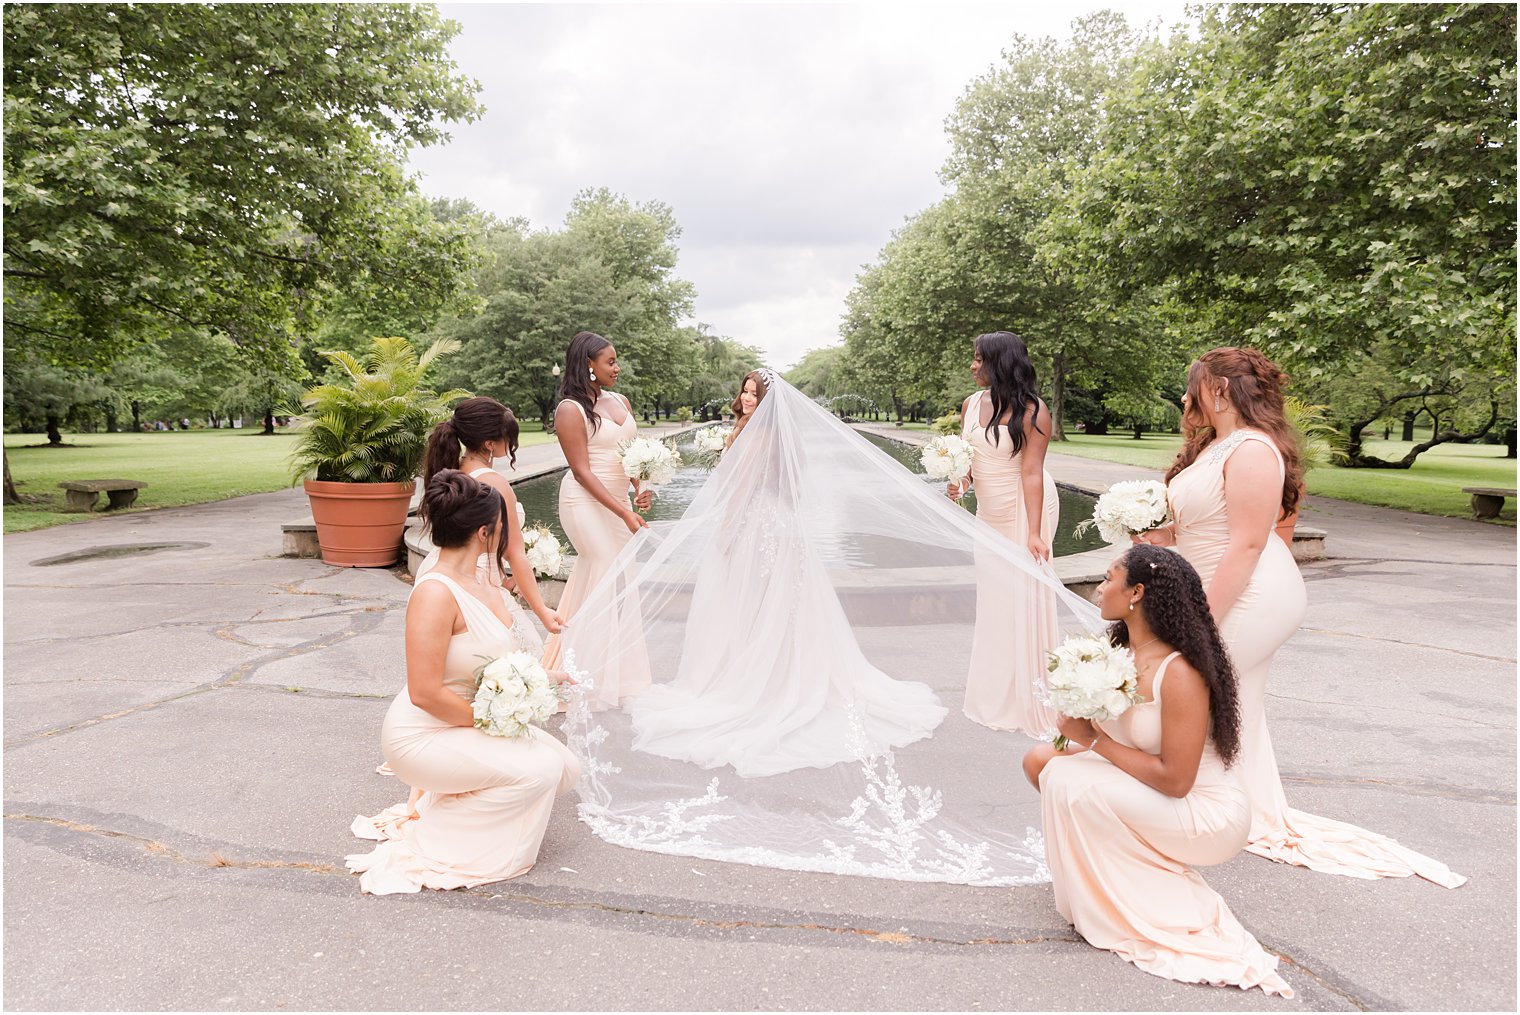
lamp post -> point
(553, 372)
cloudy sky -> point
(790, 140)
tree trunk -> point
(1509, 443)
(11, 497)
(136, 416)
(1058, 397)
(110, 418)
(54, 437)
(1408, 432)
(1365, 461)
(269, 422)
(1139, 430)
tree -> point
(1338, 182)
(609, 270)
(38, 394)
(222, 166)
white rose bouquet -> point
(650, 461)
(1090, 678)
(710, 442)
(513, 692)
(1127, 509)
(947, 458)
(544, 551)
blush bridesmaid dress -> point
(480, 804)
(598, 536)
(1266, 615)
(1015, 622)
(1121, 858)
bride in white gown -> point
(808, 626)
(769, 670)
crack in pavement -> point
(1383, 707)
(216, 859)
(368, 621)
(1410, 644)
(1410, 786)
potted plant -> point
(360, 444)
(1318, 444)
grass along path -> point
(180, 467)
(1432, 486)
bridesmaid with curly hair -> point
(1153, 795)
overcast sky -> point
(790, 140)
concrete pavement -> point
(189, 730)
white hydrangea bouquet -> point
(1127, 509)
(1090, 678)
(544, 551)
(512, 693)
(710, 442)
(652, 462)
(947, 458)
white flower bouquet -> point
(710, 442)
(512, 693)
(947, 458)
(544, 551)
(1127, 509)
(1090, 678)
(650, 461)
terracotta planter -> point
(359, 524)
(1285, 527)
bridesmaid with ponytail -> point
(592, 422)
(481, 431)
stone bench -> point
(299, 539)
(81, 494)
(1487, 502)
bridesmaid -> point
(480, 804)
(751, 390)
(591, 422)
(1237, 475)
(486, 430)
(1008, 427)
(1152, 795)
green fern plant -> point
(372, 428)
(1319, 442)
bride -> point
(768, 670)
(808, 623)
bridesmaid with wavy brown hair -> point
(1237, 475)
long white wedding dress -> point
(808, 625)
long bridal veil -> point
(808, 623)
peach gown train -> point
(1265, 616)
(1015, 622)
(598, 536)
(480, 804)
(1121, 858)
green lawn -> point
(180, 467)
(1432, 486)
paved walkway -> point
(189, 730)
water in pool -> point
(540, 499)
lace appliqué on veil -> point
(888, 833)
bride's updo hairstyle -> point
(454, 506)
(1252, 384)
(1177, 609)
(475, 421)
(740, 419)
(1010, 382)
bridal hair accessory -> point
(767, 375)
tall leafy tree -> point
(218, 165)
(1338, 183)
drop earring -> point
(1218, 405)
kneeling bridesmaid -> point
(1152, 794)
(480, 804)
